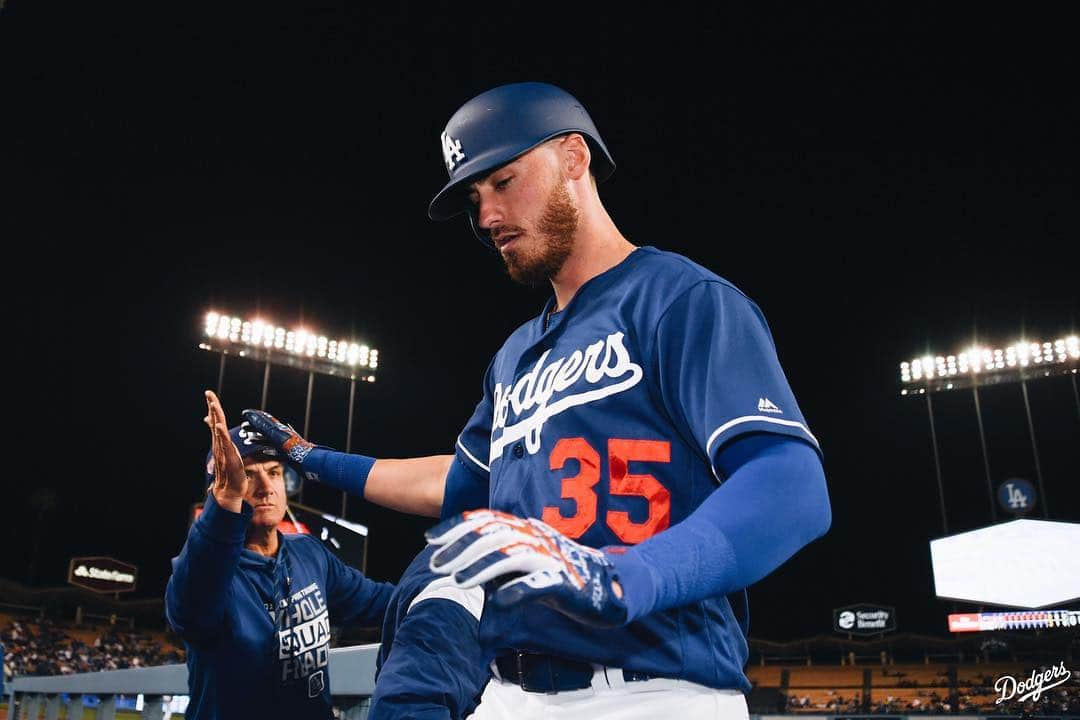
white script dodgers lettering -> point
(541, 388)
(1034, 686)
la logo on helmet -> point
(451, 150)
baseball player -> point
(638, 454)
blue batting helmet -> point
(500, 125)
(251, 443)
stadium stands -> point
(765, 676)
(43, 647)
(931, 675)
(821, 676)
(818, 701)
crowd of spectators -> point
(883, 703)
(832, 703)
(973, 700)
(44, 648)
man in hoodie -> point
(254, 606)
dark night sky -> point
(884, 181)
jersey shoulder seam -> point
(703, 281)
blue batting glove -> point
(280, 435)
(519, 560)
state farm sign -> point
(102, 574)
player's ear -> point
(575, 156)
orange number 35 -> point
(579, 488)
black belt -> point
(550, 674)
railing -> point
(352, 681)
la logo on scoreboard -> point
(1016, 496)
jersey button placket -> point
(519, 451)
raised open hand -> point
(230, 479)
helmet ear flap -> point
(474, 223)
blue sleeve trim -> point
(447, 589)
(758, 423)
(472, 457)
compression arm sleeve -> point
(773, 502)
(343, 471)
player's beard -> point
(535, 266)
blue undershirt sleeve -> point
(343, 471)
(773, 502)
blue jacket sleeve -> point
(352, 597)
(435, 668)
(198, 591)
(773, 502)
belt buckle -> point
(525, 674)
(635, 676)
(522, 677)
(535, 673)
(538, 673)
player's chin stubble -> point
(535, 266)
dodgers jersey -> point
(606, 425)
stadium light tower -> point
(298, 348)
(981, 366)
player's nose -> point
(488, 214)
